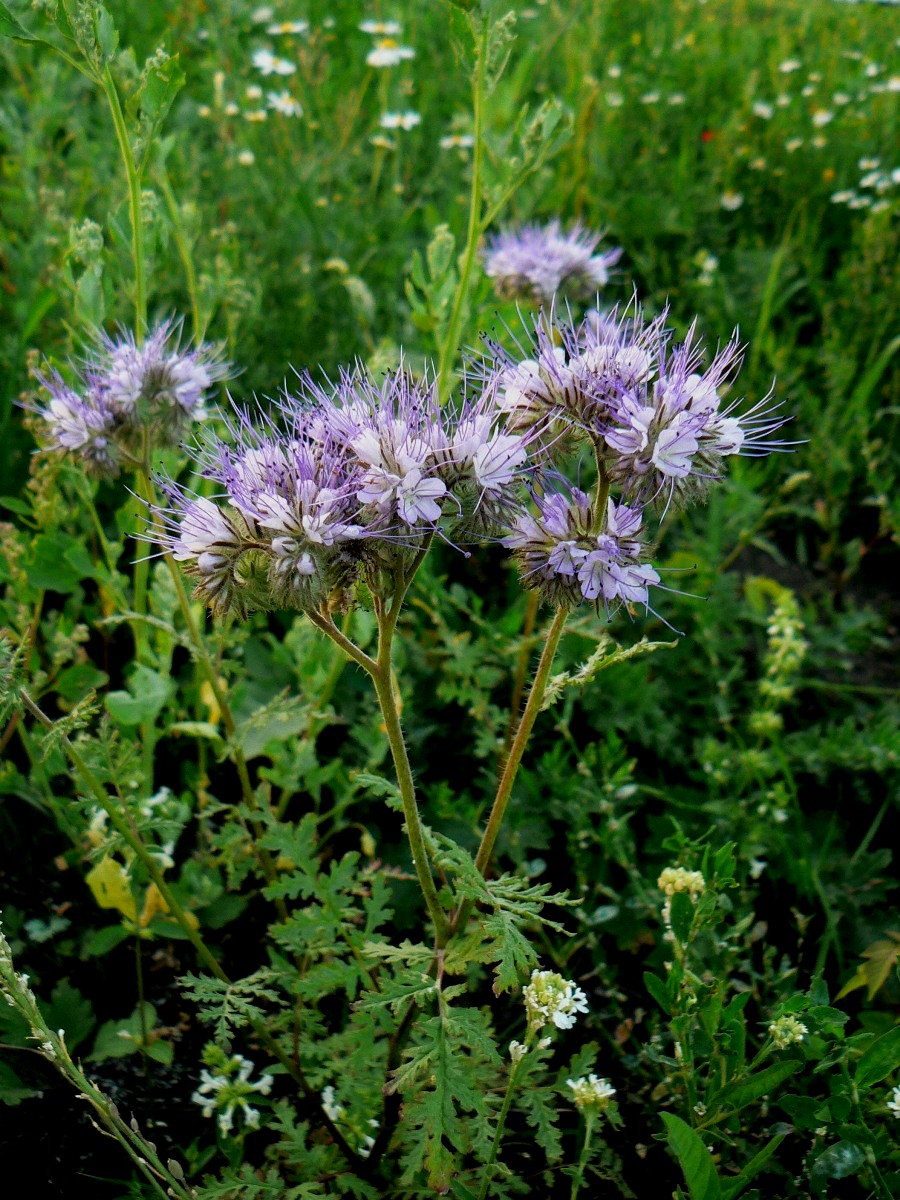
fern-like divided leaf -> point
(231, 1006)
(607, 654)
(512, 905)
(449, 1102)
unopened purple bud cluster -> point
(128, 396)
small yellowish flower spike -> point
(787, 1030)
(677, 879)
(591, 1094)
(551, 999)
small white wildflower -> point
(253, 92)
(789, 65)
(787, 1030)
(615, 99)
(763, 110)
(384, 29)
(871, 179)
(550, 998)
(246, 158)
(544, 1043)
(331, 1109)
(650, 98)
(591, 1093)
(382, 141)
(782, 100)
(860, 202)
(676, 98)
(894, 1102)
(869, 164)
(256, 116)
(284, 103)
(517, 1051)
(793, 144)
(808, 91)
(264, 13)
(819, 142)
(388, 53)
(400, 120)
(204, 111)
(758, 865)
(287, 28)
(841, 99)
(231, 109)
(873, 69)
(269, 64)
(822, 117)
(460, 141)
(731, 201)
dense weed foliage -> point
(445, 751)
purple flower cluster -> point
(358, 479)
(658, 428)
(573, 553)
(653, 414)
(349, 481)
(128, 394)
(537, 261)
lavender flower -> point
(571, 557)
(652, 413)
(360, 478)
(537, 261)
(80, 425)
(127, 392)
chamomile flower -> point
(388, 53)
(268, 63)
(284, 103)
(400, 120)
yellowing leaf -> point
(872, 973)
(111, 888)
(153, 904)
(208, 696)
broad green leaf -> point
(147, 695)
(879, 1060)
(738, 1095)
(838, 1161)
(682, 916)
(696, 1163)
(70, 1011)
(12, 1090)
(658, 990)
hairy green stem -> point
(498, 1132)
(133, 179)
(387, 700)
(583, 1157)
(452, 335)
(184, 253)
(520, 741)
(379, 670)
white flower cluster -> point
(224, 1091)
(787, 1030)
(591, 1093)
(550, 999)
(894, 1102)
